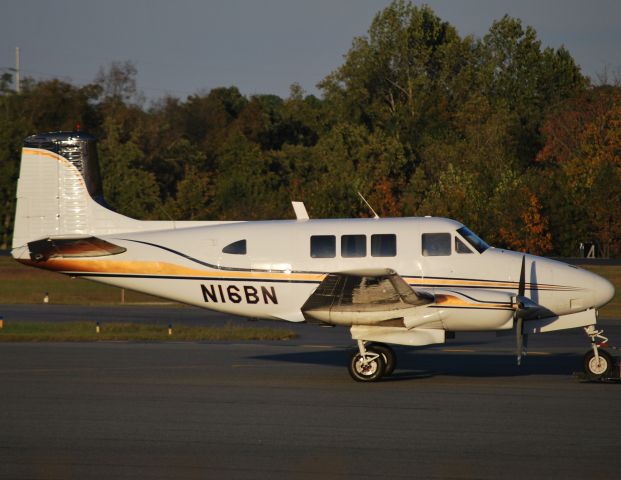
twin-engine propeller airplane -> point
(405, 281)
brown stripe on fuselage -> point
(436, 282)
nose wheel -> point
(598, 363)
(372, 362)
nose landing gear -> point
(598, 363)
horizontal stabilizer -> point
(71, 247)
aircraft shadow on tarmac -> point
(414, 364)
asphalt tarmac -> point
(290, 410)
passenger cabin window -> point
(460, 247)
(436, 244)
(353, 246)
(235, 248)
(323, 246)
(384, 245)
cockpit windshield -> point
(473, 240)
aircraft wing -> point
(364, 297)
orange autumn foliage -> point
(533, 236)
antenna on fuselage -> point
(168, 215)
(300, 210)
(375, 215)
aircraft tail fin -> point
(59, 191)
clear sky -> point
(261, 46)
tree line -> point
(497, 132)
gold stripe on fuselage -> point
(160, 268)
(148, 268)
(453, 301)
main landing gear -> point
(598, 363)
(371, 362)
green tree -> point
(516, 72)
(194, 197)
(206, 118)
(128, 188)
(350, 159)
(12, 131)
(462, 172)
(399, 77)
(249, 183)
(118, 82)
(304, 118)
(6, 83)
(54, 105)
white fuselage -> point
(277, 272)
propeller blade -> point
(520, 312)
(522, 284)
(519, 338)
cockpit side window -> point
(436, 244)
(235, 248)
(460, 247)
(478, 244)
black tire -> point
(390, 358)
(594, 369)
(371, 372)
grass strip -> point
(22, 284)
(86, 332)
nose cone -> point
(586, 289)
(603, 291)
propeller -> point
(519, 313)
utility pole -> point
(17, 86)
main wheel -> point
(390, 359)
(369, 371)
(598, 367)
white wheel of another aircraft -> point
(598, 367)
(370, 369)
(390, 359)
